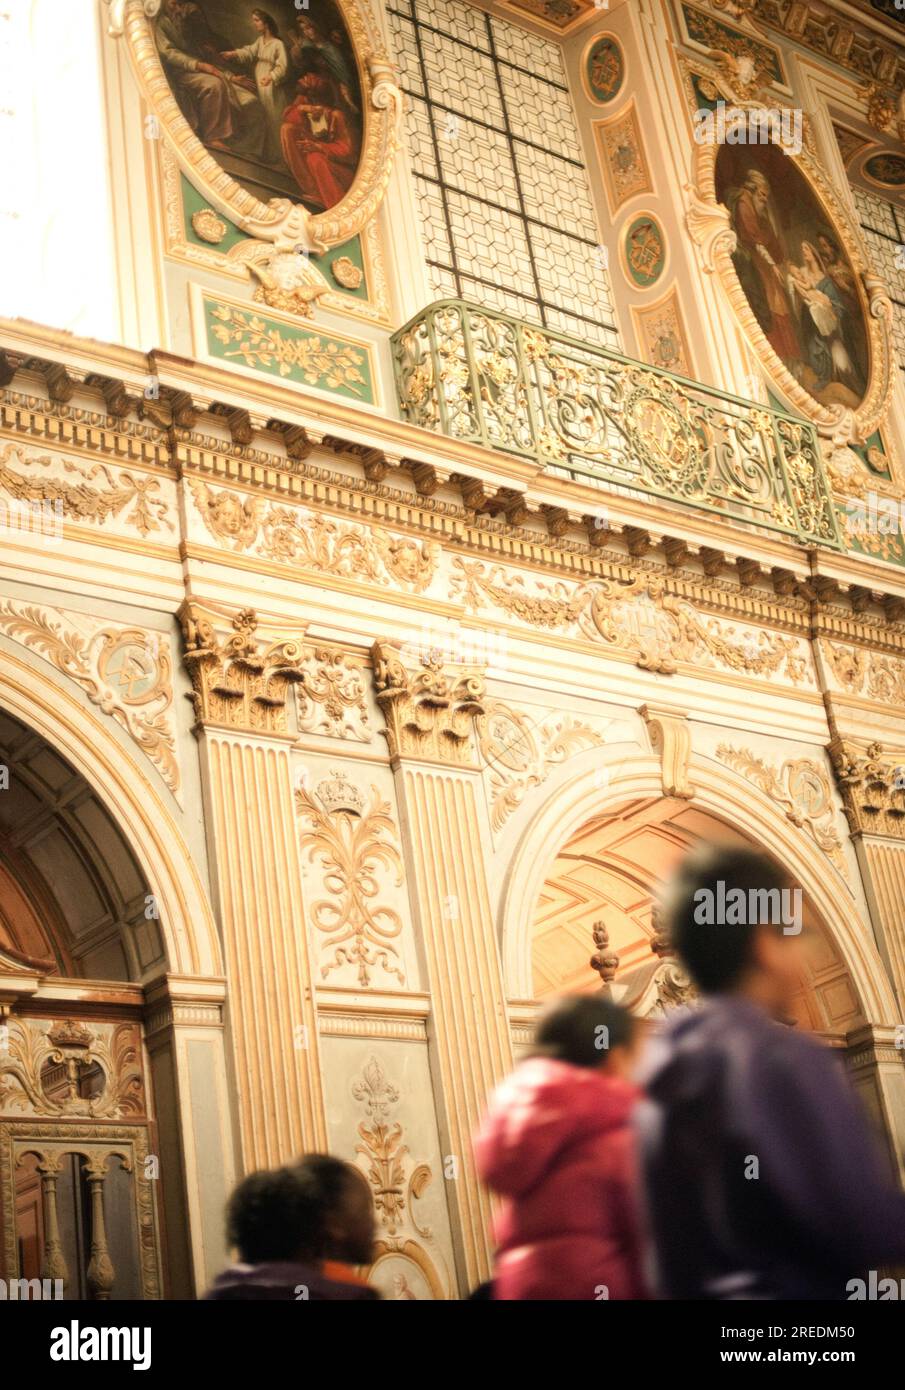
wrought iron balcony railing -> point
(474, 374)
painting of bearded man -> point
(798, 282)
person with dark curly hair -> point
(299, 1232)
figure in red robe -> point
(319, 146)
(757, 234)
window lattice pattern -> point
(505, 205)
(883, 229)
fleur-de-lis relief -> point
(355, 852)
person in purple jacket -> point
(761, 1177)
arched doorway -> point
(598, 897)
(78, 1186)
(116, 1147)
(595, 849)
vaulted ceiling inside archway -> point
(70, 889)
(610, 871)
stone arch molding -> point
(133, 801)
(724, 794)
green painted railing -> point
(474, 374)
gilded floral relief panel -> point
(380, 1116)
(353, 874)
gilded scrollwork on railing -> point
(478, 375)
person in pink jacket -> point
(556, 1146)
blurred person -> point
(299, 1232)
(760, 1176)
(556, 1145)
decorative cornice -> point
(430, 711)
(263, 467)
(819, 27)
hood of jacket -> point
(695, 1046)
(541, 1110)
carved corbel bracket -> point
(670, 736)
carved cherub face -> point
(227, 515)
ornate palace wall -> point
(405, 656)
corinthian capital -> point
(429, 706)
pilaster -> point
(430, 712)
(241, 679)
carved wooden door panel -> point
(77, 1171)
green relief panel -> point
(873, 526)
(308, 356)
(873, 455)
(348, 250)
(193, 202)
(605, 68)
(890, 547)
(704, 103)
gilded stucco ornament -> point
(285, 281)
(208, 226)
(346, 273)
(710, 225)
(286, 223)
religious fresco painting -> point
(795, 273)
(273, 93)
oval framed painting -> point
(885, 169)
(286, 117)
(603, 68)
(791, 261)
(644, 252)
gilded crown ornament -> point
(337, 793)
